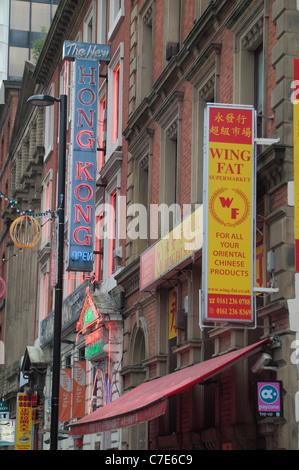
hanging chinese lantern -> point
(2, 287)
(25, 231)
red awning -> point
(148, 400)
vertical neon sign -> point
(84, 138)
(84, 161)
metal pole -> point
(59, 284)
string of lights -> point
(15, 205)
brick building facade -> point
(169, 58)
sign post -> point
(229, 214)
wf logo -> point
(229, 207)
(226, 203)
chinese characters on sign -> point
(24, 422)
(229, 207)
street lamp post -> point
(46, 100)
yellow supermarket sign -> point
(229, 189)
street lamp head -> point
(42, 100)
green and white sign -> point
(4, 410)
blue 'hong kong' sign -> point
(83, 166)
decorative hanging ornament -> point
(25, 231)
(2, 287)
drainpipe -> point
(265, 66)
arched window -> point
(139, 348)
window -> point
(205, 81)
(248, 58)
(44, 291)
(139, 348)
(46, 205)
(116, 13)
(99, 251)
(249, 63)
(102, 22)
(145, 48)
(170, 162)
(17, 57)
(200, 7)
(89, 25)
(143, 192)
(82, 354)
(258, 87)
(115, 109)
(102, 132)
(49, 125)
(26, 21)
(139, 194)
(47, 208)
(114, 102)
(112, 232)
(173, 18)
(40, 16)
(68, 361)
(44, 296)
(69, 283)
(20, 15)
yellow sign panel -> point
(172, 249)
(24, 422)
(172, 308)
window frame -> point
(90, 18)
(49, 125)
(99, 247)
(118, 58)
(115, 16)
(47, 186)
(102, 127)
(102, 22)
